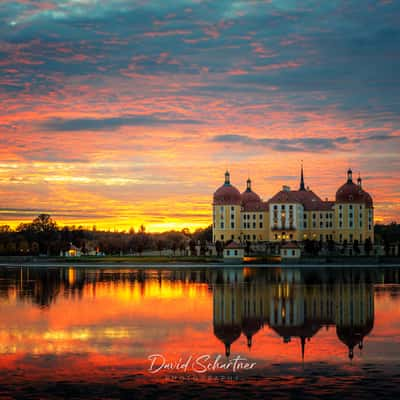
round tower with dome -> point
(226, 212)
(354, 212)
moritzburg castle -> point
(293, 215)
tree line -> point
(44, 236)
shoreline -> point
(188, 262)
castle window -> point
(305, 216)
(291, 207)
(321, 224)
(222, 237)
(321, 216)
(254, 225)
(233, 208)
(314, 216)
(232, 225)
(261, 216)
(351, 206)
(261, 225)
(222, 209)
(350, 224)
(340, 224)
(275, 207)
(254, 216)
(291, 236)
(222, 225)
(276, 236)
(232, 216)
(305, 224)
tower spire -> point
(359, 180)
(248, 185)
(227, 178)
(302, 186)
(349, 176)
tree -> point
(368, 246)
(356, 247)
(160, 245)
(247, 247)
(44, 223)
(219, 248)
(192, 247)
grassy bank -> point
(114, 259)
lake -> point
(199, 331)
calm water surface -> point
(309, 333)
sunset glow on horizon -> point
(121, 113)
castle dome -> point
(350, 192)
(248, 196)
(368, 199)
(227, 194)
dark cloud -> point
(95, 124)
(302, 144)
(295, 144)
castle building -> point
(293, 215)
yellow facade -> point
(293, 215)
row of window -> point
(247, 225)
(283, 207)
(247, 216)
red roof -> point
(352, 193)
(290, 245)
(233, 245)
(307, 198)
(248, 196)
(256, 206)
(227, 195)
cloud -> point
(319, 78)
(305, 144)
(302, 144)
(98, 124)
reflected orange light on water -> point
(98, 319)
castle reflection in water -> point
(294, 309)
(296, 302)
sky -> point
(119, 113)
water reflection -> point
(293, 309)
(104, 310)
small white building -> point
(73, 251)
(290, 250)
(233, 252)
